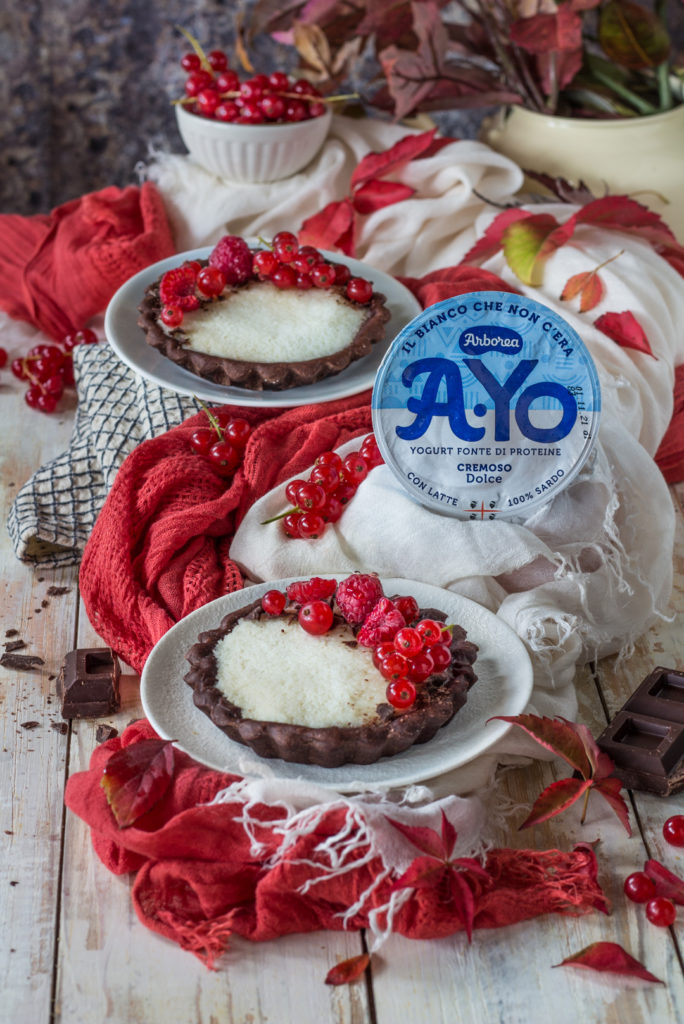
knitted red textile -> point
(199, 879)
(58, 270)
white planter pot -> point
(641, 156)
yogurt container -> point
(486, 405)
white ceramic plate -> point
(503, 687)
(128, 341)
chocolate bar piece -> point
(646, 737)
(88, 683)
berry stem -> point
(197, 48)
(281, 515)
(212, 419)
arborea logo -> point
(483, 338)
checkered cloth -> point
(55, 511)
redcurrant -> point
(311, 525)
(639, 888)
(224, 457)
(401, 694)
(359, 290)
(172, 316)
(3, 357)
(238, 432)
(408, 641)
(202, 439)
(273, 602)
(394, 666)
(291, 524)
(673, 830)
(421, 667)
(310, 497)
(441, 656)
(661, 912)
(430, 630)
(316, 617)
(218, 60)
(408, 606)
(211, 281)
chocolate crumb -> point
(40, 579)
(29, 725)
(37, 610)
(8, 832)
(14, 883)
(44, 603)
(50, 678)
(11, 632)
(23, 662)
(14, 645)
(105, 732)
(57, 591)
(60, 727)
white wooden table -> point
(73, 951)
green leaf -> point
(632, 36)
(522, 246)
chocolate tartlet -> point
(257, 336)
(382, 732)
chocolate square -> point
(88, 683)
(661, 695)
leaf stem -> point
(586, 804)
(210, 416)
(638, 102)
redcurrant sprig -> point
(331, 485)
(223, 442)
(48, 369)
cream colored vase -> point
(641, 156)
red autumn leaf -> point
(377, 194)
(136, 777)
(331, 228)
(377, 165)
(666, 883)
(556, 735)
(622, 213)
(624, 329)
(348, 970)
(609, 957)
(422, 873)
(492, 239)
(588, 285)
(554, 799)
(542, 33)
(610, 791)
(558, 68)
(427, 840)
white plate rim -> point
(402, 769)
(128, 342)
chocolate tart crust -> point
(254, 375)
(437, 702)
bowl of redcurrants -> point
(257, 129)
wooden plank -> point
(33, 757)
(113, 968)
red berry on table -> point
(32, 395)
(202, 439)
(273, 602)
(190, 62)
(3, 356)
(83, 337)
(232, 255)
(359, 290)
(323, 275)
(238, 432)
(290, 524)
(172, 316)
(46, 402)
(661, 912)
(211, 281)
(408, 641)
(639, 888)
(227, 81)
(401, 694)
(54, 385)
(316, 617)
(18, 368)
(218, 60)
(673, 830)
(66, 371)
(284, 277)
(311, 525)
(408, 606)
(223, 456)
(264, 263)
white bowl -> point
(252, 152)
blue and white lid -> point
(486, 405)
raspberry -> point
(358, 595)
(233, 256)
(177, 288)
(314, 589)
(381, 624)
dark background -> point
(86, 87)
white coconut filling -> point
(264, 324)
(275, 671)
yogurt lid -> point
(486, 405)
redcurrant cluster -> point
(332, 483)
(49, 369)
(215, 91)
(406, 650)
(284, 263)
(641, 887)
(223, 442)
